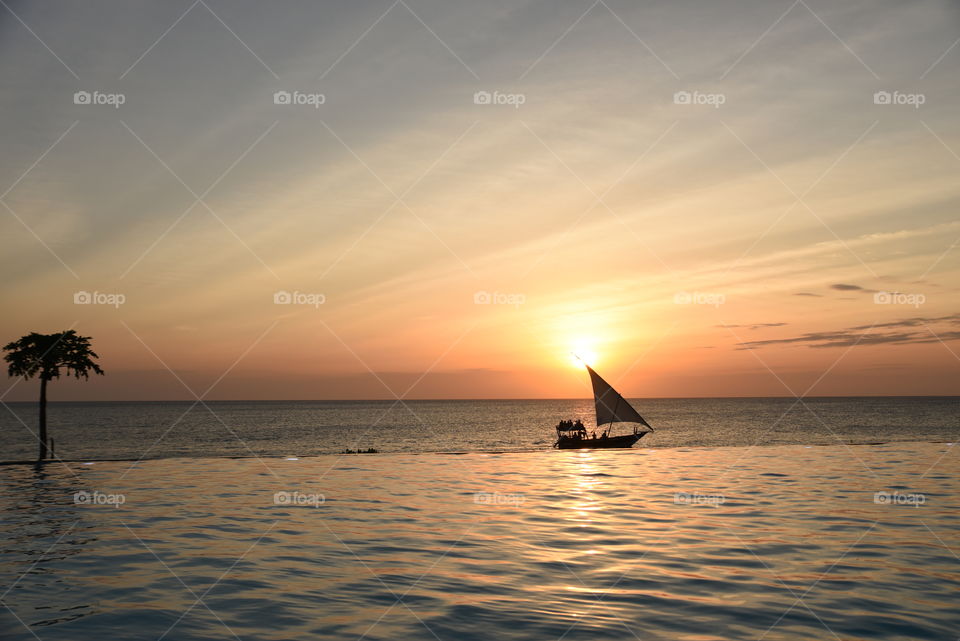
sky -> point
(436, 199)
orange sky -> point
(708, 209)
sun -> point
(582, 351)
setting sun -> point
(583, 352)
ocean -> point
(710, 543)
(306, 428)
(736, 519)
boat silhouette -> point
(611, 408)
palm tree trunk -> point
(43, 420)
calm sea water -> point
(152, 430)
(780, 542)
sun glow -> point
(581, 352)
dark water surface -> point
(222, 428)
(780, 542)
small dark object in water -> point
(366, 451)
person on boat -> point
(578, 425)
(593, 435)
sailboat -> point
(611, 408)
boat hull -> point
(566, 443)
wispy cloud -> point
(867, 334)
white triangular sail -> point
(611, 407)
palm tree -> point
(46, 354)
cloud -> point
(844, 287)
(808, 294)
(866, 334)
(752, 326)
(953, 319)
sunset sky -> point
(783, 233)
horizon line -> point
(391, 400)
